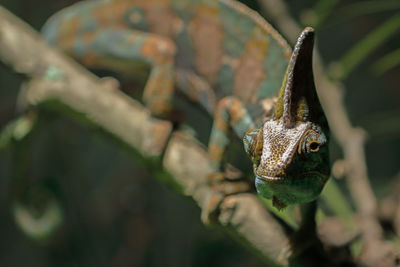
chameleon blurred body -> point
(229, 47)
(223, 56)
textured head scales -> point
(290, 157)
(279, 147)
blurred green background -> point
(116, 214)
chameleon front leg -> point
(120, 50)
(230, 114)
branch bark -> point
(56, 77)
(389, 207)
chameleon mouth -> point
(259, 174)
(271, 178)
(309, 175)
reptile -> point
(229, 60)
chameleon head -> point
(290, 151)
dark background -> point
(116, 214)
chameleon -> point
(231, 62)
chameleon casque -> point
(228, 59)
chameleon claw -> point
(215, 177)
(210, 208)
(222, 185)
(232, 174)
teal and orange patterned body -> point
(228, 46)
(223, 56)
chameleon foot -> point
(222, 185)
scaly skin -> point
(290, 151)
(228, 59)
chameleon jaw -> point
(310, 175)
(288, 190)
(271, 178)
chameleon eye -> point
(312, 141)
(314, 147)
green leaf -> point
(387, 62)
(320, 12)
(361, 8)
(365, 47)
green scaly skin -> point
(228, 59)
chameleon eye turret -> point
(294, 163)
(312, 140)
